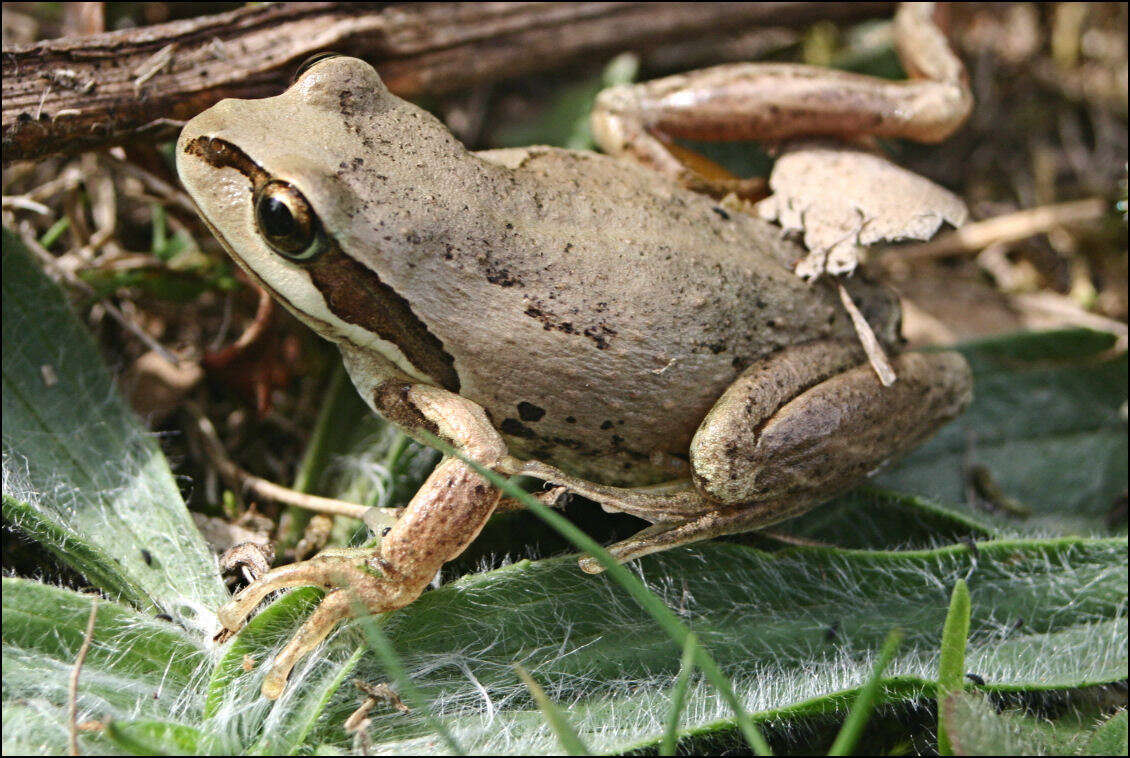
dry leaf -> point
(844, 199)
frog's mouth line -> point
(351, 291)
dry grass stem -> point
(973, 238)
(240, 479)
(51, 263)
(72, 689)
(867, 338)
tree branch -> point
(80, 93)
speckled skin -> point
(593, 309)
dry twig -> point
(973, 238)
(140, 84)
(72, 688)
(240, 479)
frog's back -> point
(620, 307)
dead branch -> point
(240, 479)
(80, 93)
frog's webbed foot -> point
(443, 517)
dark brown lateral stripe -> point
(353, 292)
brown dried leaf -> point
(844, 199)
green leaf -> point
(136, 666)
(951, 661)
(149, 737)
(392, 664)
(1046, 421)
(796, 631)
(978, 727)
(872, 518)
(1110, 737)
(81, 476)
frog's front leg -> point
(775, 101)
(444, 516)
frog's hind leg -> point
(786, 432)
(778, 101)
(794, 430)
(661, 503)
(668, 534)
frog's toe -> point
(334, 607)
(327, 569)
(350, 576)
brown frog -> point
(559, 314)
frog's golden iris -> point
(287, 222)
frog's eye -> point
(308, 64)
(287, 221)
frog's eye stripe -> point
(287, 222)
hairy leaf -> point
(81, 476)
(797, 632)
(136, 667)
(1048, 426)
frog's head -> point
(301, 189)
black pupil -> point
(276, 218)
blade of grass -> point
(159, 239)
(626, 579)
(54, 232)
(951, 662)
(560, 725)
(852, 729)
(678, 696)
(379, 643)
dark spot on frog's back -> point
(502, 277)
(516, 428)
(345, 102)
(529, 411)
(600, 334)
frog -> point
(558, 314)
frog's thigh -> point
(827, 437)
(771, 383)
